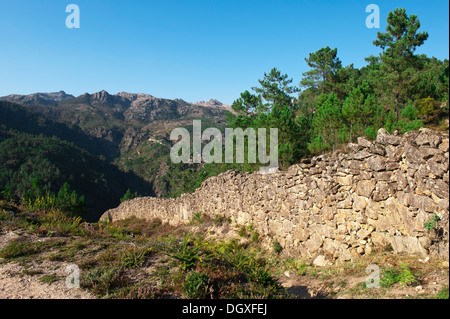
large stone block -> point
(376, 163)
(364, 142)
(407, 244)
(365, 188)
(314, 243)
(323, 230)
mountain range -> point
(115, 142)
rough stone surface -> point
(330, 207)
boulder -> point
(427, 137)
(393, 153)
(376, 163)
(364, 142)
(444, 145)
(392, 139)
(320, 261)
(381, 134)
(377, 149)
(438, 187)
(407, 244)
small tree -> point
(128, 195)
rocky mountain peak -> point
(211, 102)
(214, 104)
(38, 98)
(102, 96)
(134, 96)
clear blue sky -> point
(189, 49)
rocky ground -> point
(45, 278)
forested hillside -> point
(35, 148)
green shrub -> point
(4, 215)
(428, 109)
(242, 232)
(55, 221)
(39, 198)
(255, 236)
(277, 247)
(186, 253)
(128, 195)
(133, 256)
(51, 278)
(197, 218)
(443, 294)
(17, 249)
(103, 280)
(404, 276)
(432, 222)
(371, 133)
(197, 285)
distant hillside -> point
(102, 144)
(125, 119)
(38, 98)
(33, 146)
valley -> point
(101, 144)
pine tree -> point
(328, 119)
(398, 62)
(276, 89)
(324, 64)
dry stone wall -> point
(338, 206)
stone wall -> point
(339, 205)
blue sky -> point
(194, 50)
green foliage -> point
(318, 145)
(255, 236)
(104, 279)
(55, 221)
(428, 109)
(67, 200)
(328, 119)
(276, 90)
(432, 223)
(196, 285)
(277, 247)
(370, 132)
(404, 276)
(133, 256)
(19, 249)
(399, 64)
(128, 195)
(16, 249)
(197, 218)
(324, 64)
(186, 253)
(442, 294)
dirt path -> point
(17, 284)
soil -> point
(26, 282)
(15, 283)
